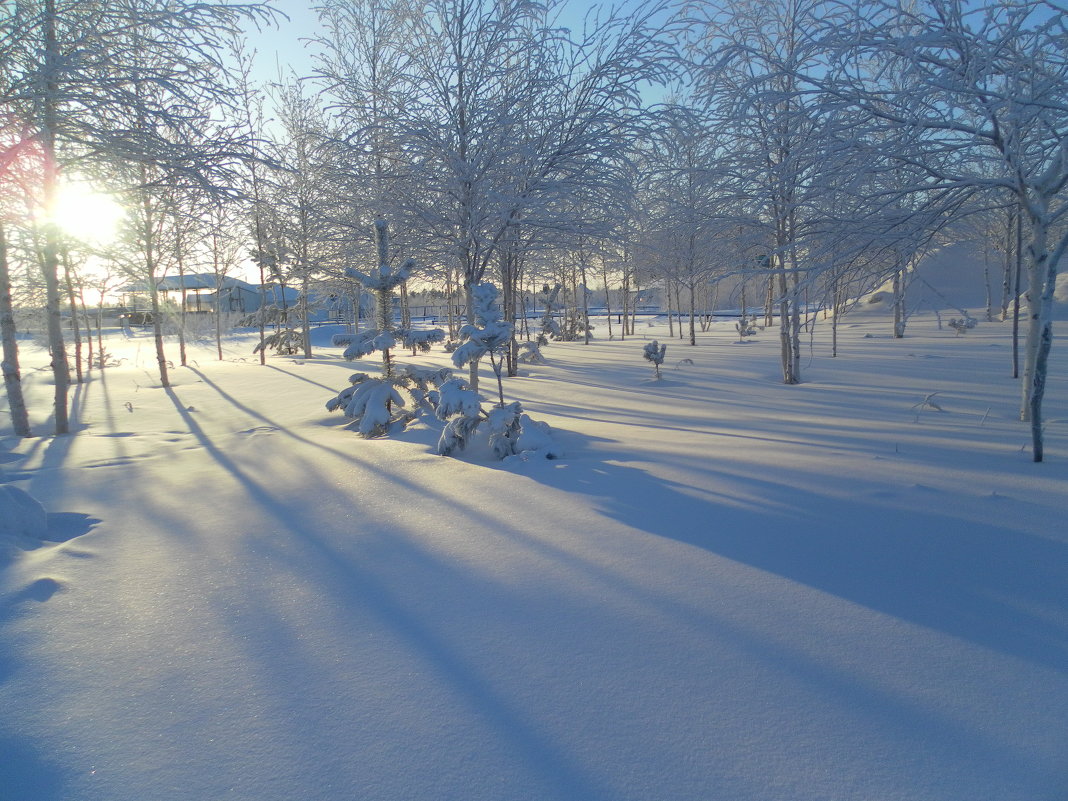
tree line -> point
(776, 156)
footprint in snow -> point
(41, 590)
(260, 430)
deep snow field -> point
(727, 590)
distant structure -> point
(206, 292)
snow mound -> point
(23, 520)
(536, 441)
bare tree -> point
(12, 378)
(498, 115)
(782, 141)
(77, 74)
(990, 89)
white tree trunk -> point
(1038, 317)
(12, 378)
(899, 300)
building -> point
(204, 292)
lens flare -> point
(86, 214)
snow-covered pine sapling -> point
(381, 282)
(371, 400)
(745, 328)
(962, 325)
(550, 329)
(530, 353)
(503, 422)
(488, 336)
(536, 440)
(655, 352)
(284, 342)
(420, 340)
(460, 408)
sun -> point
(85, 214)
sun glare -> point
(87, 215)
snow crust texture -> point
(723, 589)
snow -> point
(727, 589)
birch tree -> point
(498, 115)
(77, 68)
(750, 61)
(991, 88)
(686, 206)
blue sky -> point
(281, 46)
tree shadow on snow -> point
(360, 589)
(1002, 589)
(24, 776)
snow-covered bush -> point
(530, 353)
(745, 328)
(962, 325)
(511, 433)
(548, 327)
(455, 398)
(655, 353)
(535, 440)
(375, 403)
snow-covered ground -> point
(727, 590)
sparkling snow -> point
(727, 589)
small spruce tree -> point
(655, 352)
(371, 401)
(490, 334)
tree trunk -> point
(215, 268)
(508, 293)
(899, 300)
(263, 312)
(449, 301)
(1007, 279)
(405, 309)
(789, 325)
(607, 297)
(88, 330)
(989, 287)
(1038, 316)
(1017, 278)
(1047, 265)
(9, 335)
(693, 315)
(769, 301)
(180, 260)
(836, 312)
(305, 325)
(76, 328)
(100, 354)
(670, 315)
(585, 298)
(633, 308)
(150, 273)
(50, 248)
(472, 369)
